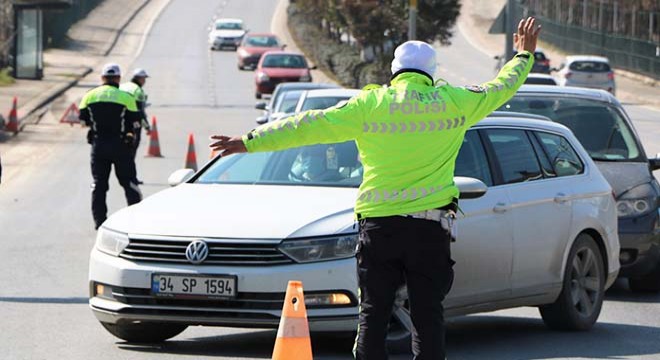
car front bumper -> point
(640, 243)
(260, 294)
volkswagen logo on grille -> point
(197, 252)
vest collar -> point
(411, 76)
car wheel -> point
(144, 332)
(257, 95)
(581, 298)
(399, 329)
(647, 283)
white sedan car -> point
(219, 248)
(226, 33)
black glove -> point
(129, 139)
(90, 136)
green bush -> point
(339, 59)
(5, 78)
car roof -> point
(332, 92)
(521, 120)
(281, 52)
(305, 85)
(228, 20)
(572, 58)
(569, 91)
(261, 34)
(540, 76)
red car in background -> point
(279, 66)
(253, 46)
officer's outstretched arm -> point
(335, 124)
(479, 101)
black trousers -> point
(396, 250)
(105, 155)
(136, 145)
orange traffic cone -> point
(293, 342)
(71, 115)
(12, 123)
(154, 145)
(191, 158)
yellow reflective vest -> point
(408, 135)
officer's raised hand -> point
(228, 145)
(527, 35)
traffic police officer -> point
(408, 135)
(136, 88)
(111, 115)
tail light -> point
(610, 75)
(545, 62)
(568, 75)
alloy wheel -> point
(586, 278)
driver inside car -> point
(315, 163)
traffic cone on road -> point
(12, 121)
(191, 158)
(71, 115)
(154, 145)
(293, 342)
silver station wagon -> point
(538, 228)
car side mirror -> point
(283, 46)
(655, 163)
(260, 106)
(497, 57)
(470, 188)
(180, 176)
(262, 120)
(313, 67)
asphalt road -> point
(46, 230)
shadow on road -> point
(46, 300)
(252, 345)
(477, 337)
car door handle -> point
(561, 198)
(501, 208)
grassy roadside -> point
(5, 78)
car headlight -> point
(111, 242)
(305, 78)
(320, 249)
(243, 53)
(262, 76)
(634, 207)
(637, 201)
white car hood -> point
(227, 33)
(240, 211)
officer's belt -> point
(433, 214)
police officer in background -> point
(408, 135)
(136, 88)
(111, 115)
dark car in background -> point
(253, 46)
(277, 67)
(541, 62)
(601, 124)
(280, 104)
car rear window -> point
(590, 66)
(228, 26)
(261, 41)
(540, 81)
(284, 61)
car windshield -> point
(286, 103)
(284, 61)
(334, 165)
(601, 128)
(322, 102)
(261, 41)
(589, 66)
(228, 26)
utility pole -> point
(508, 34)
(412, 20)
